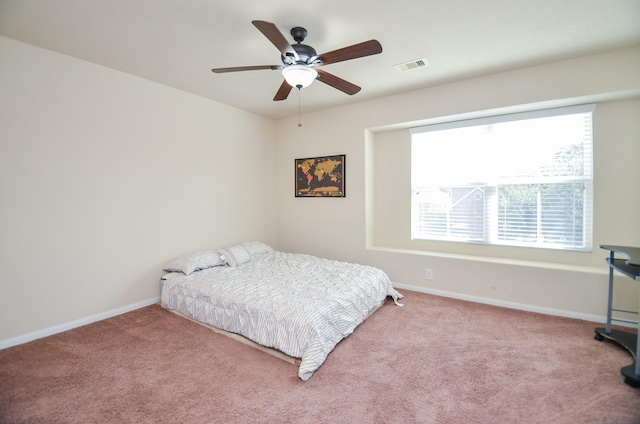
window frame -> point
(489, 239)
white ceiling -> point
(177, 42)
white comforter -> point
(299, 304)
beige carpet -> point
(436, 360)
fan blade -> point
(336, 82)
(246, 68)
(283, 92)
(275, 36)
(366, 48)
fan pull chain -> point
(299, 123)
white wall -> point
(104, 177)
(371, 225)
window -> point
(520, 180)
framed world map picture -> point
(320, 177)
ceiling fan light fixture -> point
(299, 76)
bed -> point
(297, 304)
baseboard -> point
(25, 338)
(505, 304)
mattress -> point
(299, 304)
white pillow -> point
(235, 255)
(257, 248)
(194, 261)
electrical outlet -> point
(429, 274)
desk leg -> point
(637, 376)
(610, 299)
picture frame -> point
(322, 176)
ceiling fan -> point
(300, 62)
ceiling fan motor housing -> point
(307, 55)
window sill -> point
(495, 260)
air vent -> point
(414, 64)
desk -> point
(631, 268)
